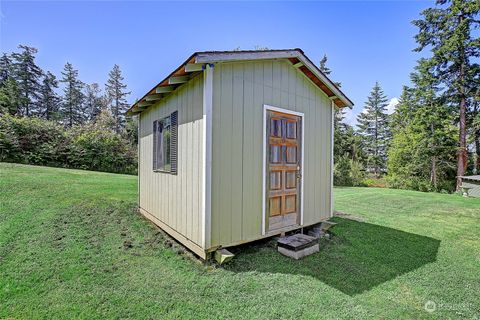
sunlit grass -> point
(72, 246)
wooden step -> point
(297, 246)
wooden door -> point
(283, 174)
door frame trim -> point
(267, 108)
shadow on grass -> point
(358, 258)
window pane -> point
(291, 130)
(160, 154)
(166, 144)
(275, 128)
(291, 154)
(162, 141)
(275, 154)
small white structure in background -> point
(471, 186)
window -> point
(165, 144)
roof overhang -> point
(197, 61)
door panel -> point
(283, 169)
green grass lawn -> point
(72, 246)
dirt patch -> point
(348, 216)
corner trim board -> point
(332, 133)
(207, 155)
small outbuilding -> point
(237, 146)
(471, 186)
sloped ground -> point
(72, 246)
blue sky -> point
(366, 41)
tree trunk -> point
(476, 167)
(462, 157)
(476, 139)
(433, 172)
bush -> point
(92, 146)
(375, 182)
(348, 172)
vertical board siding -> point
(176, 199)
(240, 90)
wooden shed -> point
(236, 146)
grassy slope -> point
(72, 246)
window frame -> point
(164, 146)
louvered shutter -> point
(155, 141)
(173, 141)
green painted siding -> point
(176, 200)
(239, 92)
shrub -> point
(348, 172)
(93, 146)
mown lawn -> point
(72, 246)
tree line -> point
(36, 108)
(27, 90)
(433, 136)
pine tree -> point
(49, 101)
(116, 93)
(339, 113)
(323, 65)
(374, 130)
(72, 107)
(446, 30)
(10, 98)
(348, 168)
(27, 75)
(422, 151)
(6, 68)
(94, 102)
(404, 111)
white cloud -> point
(350, 117)
(392, 105)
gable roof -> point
(197, 61)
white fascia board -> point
(242, 56)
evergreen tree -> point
(404, 111)
(116, 93)
(27, 75)
(348, 169)
(6, 68)
(422, 152)
(72, 107)
(446, 30)
(94, 102)
(49, 101)
(339, 112)
(323, 65)
(10, 98)
(373, 128)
